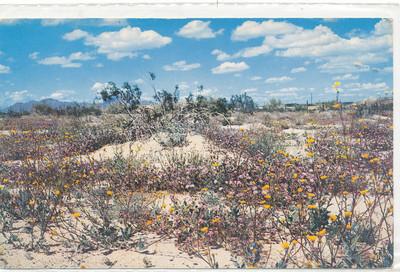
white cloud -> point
(183, 86)
(61, 94)
(285, 92)
(146, 57)
(249, 90)
(251, 29)
(70, 61)
(113, 22)
(255, 78)
(9, 21)
(139, 81)
(4, 69)
(221, 56)
(124, 43)
(278, 79)
(230, 67)
(181, 66)
(98, 87)
(346, 77)
(99, 65)
(330, 20)
(206, 92)
(248, 52)
(355, 87)
(298, 70)
(383, 27)
(54, 22)
(289, 40)
(18, 96)
(75, 35)
(34, 55)
(197, 29)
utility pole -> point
(311, 99)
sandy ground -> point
(151, 148)
(160, 254)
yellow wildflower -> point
(348, 226)
(57, 192)
(299, 190)
(267, 196)
(321, 232)
(215, 164)
(216, 220)
(348, 214)
(365, 155)
(323, 177)
(312, 206)
(374, 160)
(204, 189)
(310, 140)
(364, 192)
(312, 238)
(267, 206)
(109, 193)
(354, 178)
(242, 202)
(310, 154)
(76, 214)
(310, 195)
(149, 222)
(171, 210)
(204, 229)
(333, 217)
(265, 187)
(285, 245)
(295, 175)
(31, 202)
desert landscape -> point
(113, 154)
(195, 186)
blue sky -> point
(286, 59)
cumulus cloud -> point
(346, 77)
(62, 94)
(34, 55)
(99, 86)
(285, 92)
(146, 57)
(278, 79)
(181, 65)
(18, 96)
(251, 29)
(113, 22)
(230, 67)
(139, 81)
(124, 43)
(9, 21)
(298, 70)
(198, 30)
(254, 78)
(4, 69)
(288, 40)
(367, 86)
(75, 35)
(249, 90)
(54, 22)
(72, 61)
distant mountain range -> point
(53, 103)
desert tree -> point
(127, 95)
